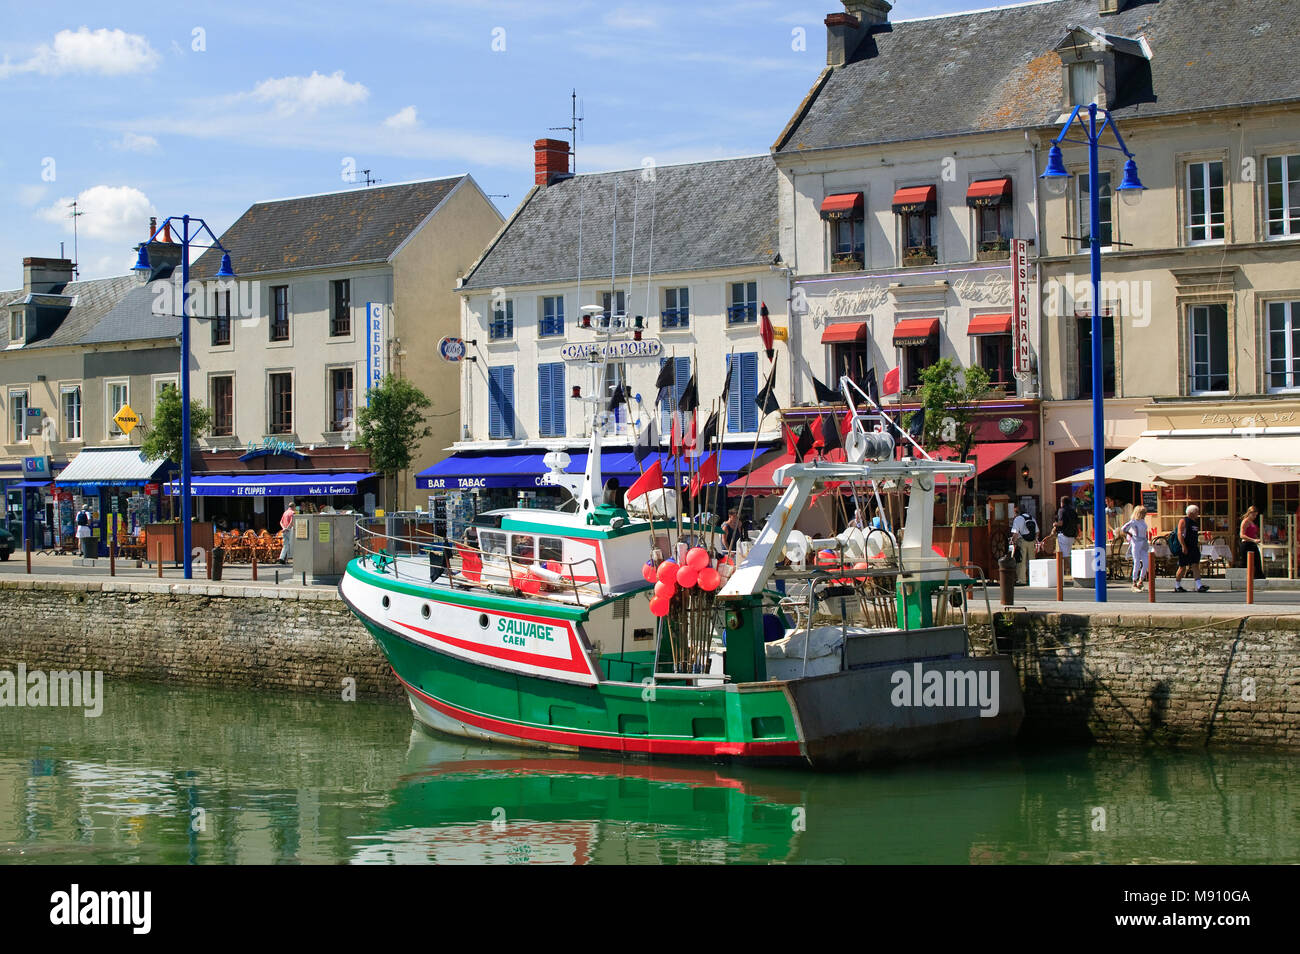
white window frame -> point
(1072, 85)
(329, 397)
(157, 382)
(66, 431)
(25, 396)
(507, 310)
(676, 291)
(1199, 169)
(541, 316)
(1288, 209)
(18, 326)
(1291, 318)
(114, 432)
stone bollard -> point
(1250, 576)
(1060, 576)
(29, 555)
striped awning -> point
(109, 467)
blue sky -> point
(206, 108)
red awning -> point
(989, 192)
(842, 206)
(844, 332)
(986, 456)
(915, 331)
(915, 199)
(989, 325)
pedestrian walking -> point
(286, 530)
(1067, 526)
(1024, 534)
(1139, 538)
(84, 520)
(1187, 539)
(1249, 536)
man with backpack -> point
(84, 519)
(1067, 528)
(1024, 533)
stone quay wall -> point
(1188, 680)
(212, 634)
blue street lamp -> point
(1056, 179)
(143, 271)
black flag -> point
(916, 426)
(803, 443)
(830, 433)
(690, 398)
(619, 396)
(766, 398)
(665, 380)
(710, 431)
(825, 395)
(726, 382)
(871, 387)
(644, 442)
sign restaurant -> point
(616, 350)
(374, 346)
(1021, 357)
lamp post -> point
(143, 272)
(1056, 180)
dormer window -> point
(17, 327)
(1084, 88)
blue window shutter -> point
(501, 402)
(734, 410)
(544, 400)
(557, 398)
(749, 390)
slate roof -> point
(706, 215)
(996, 69)
(92, 300)
(354, 227)
(133, 319)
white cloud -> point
(29, 195)
(116, 213)
(630, 18)
(309, 93)
(402, 119)
(107, 52)
(135, 142)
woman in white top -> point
(1136, 530)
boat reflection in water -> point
(478, 804)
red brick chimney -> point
(551, 159)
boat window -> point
(552, 549)
(493, 545)
(523, 546)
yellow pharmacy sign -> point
(126, 419)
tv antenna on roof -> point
(368, 181)
(574, 129)
(74, 215)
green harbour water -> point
(199, 776)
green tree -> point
(950, 397)
(392, 424)
(162, 439)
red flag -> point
(652, 479)
(891, 382)
(790, 440)
(765, 329)
(707, 474)
(819, 439)
(675, 437)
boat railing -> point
(469, 567)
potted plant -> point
(846, 261)
(919, 255)
(993, 251)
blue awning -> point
(272, 485)
(29, 484)
(478, 471)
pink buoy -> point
(697, 559)
(659, 607)
(667, 571)
(664, 590)
(687, 576)
(710, 580)
(648, 571)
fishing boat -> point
(621, 625)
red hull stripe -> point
(608, 742)
(573, 664)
